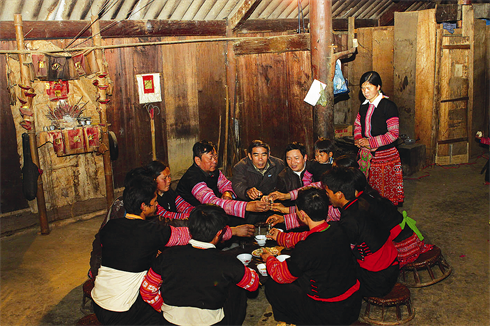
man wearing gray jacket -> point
(256, 174)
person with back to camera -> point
(373, 246)
(198, 284)
(376, 130)
(317, 285)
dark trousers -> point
(290, 304)
(140, 313)
(235, 307)
(377, 284)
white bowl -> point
(262, 268)
(282, 258)
(245, 258)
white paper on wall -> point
(149, 89)
(314, 93)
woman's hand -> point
(272, 234)
(265, 254)
(280, 208)
(363, 142)
(275, 219)
(276, 195)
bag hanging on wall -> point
(40, 66)
(339, 82)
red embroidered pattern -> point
(150, 290)
(250, 280)
(385, 175)
(279, 271)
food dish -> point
(273, 250)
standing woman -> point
(375, 132)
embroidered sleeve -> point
(279, 271)
(171, 215)
(389, 137)
(357, 127)
(180, 236)
(228, 234)
(224, 184)
(290, 239)
(294, 193)
(250, 280)
(206, 196)
(291, 221)
(485, 140)
(333, 214)
(150, 290)
(307, 178)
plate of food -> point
(273, 250)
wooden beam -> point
(242, 12)
(112, 29)
(274, 44)
(388, 17)
(283, 25)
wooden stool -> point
(425, 262)
(399, 295)
(87, 289)
(88, 320)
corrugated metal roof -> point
(189, 9)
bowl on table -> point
(282, 258)
(262, 268)
(245, 258)
(261, 240)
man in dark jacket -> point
(295, 175)
(256, 174)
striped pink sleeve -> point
(183, 206)
(294, 193)
(224, 184)
(291, 221)
(206, 196)
(389, 137)
(180, 237)
(307, 178)
(228, 233)
(333, 214)
(357, 127)
(250, 280)
(485, 140)
(150, 290)
(171, 215)
(279, 271)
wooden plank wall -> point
(424, 80)
(375, 52)
(405, 47)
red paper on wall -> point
(58, 90)
(149, 85)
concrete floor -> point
(42, 276)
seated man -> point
(317, 285)
(256, 174)
(203, 183)
(128, 246)
(197, 284)
(373, 245)
(295, 175)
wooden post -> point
(25, 79)
(109, 183)
(230, 101)
(321, 55)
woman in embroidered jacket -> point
(375, 132)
